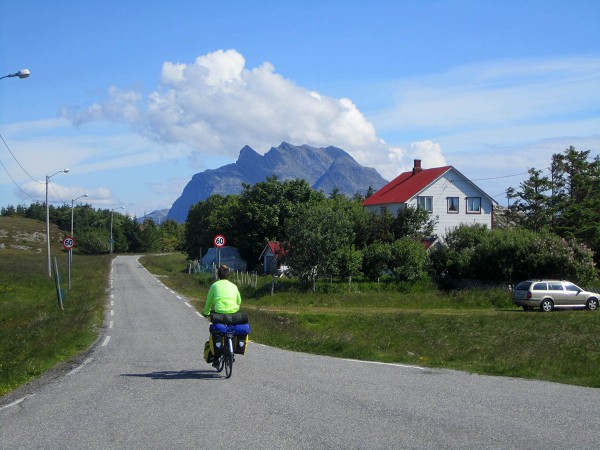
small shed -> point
(225, 255)
(272, 257)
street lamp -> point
(72, 207)
(48, 221)
(23, 73)
(112, 212)
(72, 203)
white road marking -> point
(106, 340)
(179, 297)
(199, 314)
(406, 366)
(110, 324)
(188, 305)
(76, 369)
(112, 312)
(112, 303)
(16, 402)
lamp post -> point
(112, 212)
(48, 221)
(23, 73)
(72, 206)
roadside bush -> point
(511, 255)
(93, 242)
(408, 260)
(375, 260)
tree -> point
(512, 255)
(264, 209)
(172, 236)
(347, 261)
(408, 260)
(205, 220)
(376, 258)
(577, 197)
(568, 202)
(414, 223)
(532, 206)
(314, 235)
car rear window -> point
(540, 287)
(523, 286)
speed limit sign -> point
(68, 243)
(219, 240)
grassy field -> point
(478, 331)
(35, 335)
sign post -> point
(68, 244)
(219, 242)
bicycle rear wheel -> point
(228, 359)
(221, 363)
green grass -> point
(478, 331)
(35, 335)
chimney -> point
(417, 167)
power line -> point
(497, 178)
(15, 158)
(14, 182)
(56, 193)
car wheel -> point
(547, 305)
(592, 304)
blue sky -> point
(135, 97)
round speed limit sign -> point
(68, 243)
(219, 240)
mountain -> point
(158, 216)
(323, 168)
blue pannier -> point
(242, 329)
(238, 330)
(218, 327)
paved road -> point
(145, 386)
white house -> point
(450, 197)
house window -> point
(383, 209)
(425, 203)
(473, 205)
(453, 205)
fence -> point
(237, 276)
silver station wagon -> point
(549, 294)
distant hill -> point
(323, 168)
(158, 216)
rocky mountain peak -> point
(323, 168)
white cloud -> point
(494, 94)
(400, 160)
(498, 117)
(428, 152)
(59, 194)
(217, 105)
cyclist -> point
(223, 296)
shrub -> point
(511, 255)
(408, 260)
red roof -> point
(405, 186)
(277, 248)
